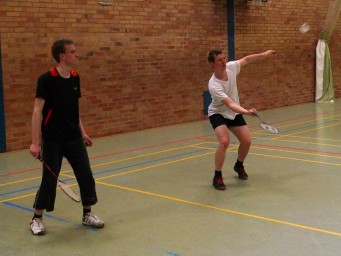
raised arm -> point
(255, 57)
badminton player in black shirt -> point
(57, 132)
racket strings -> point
(63, 186)
(269, 128)
(68, 190)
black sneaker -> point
(218, 183)
(241, 172)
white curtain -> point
(324, 88)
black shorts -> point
(217, 120)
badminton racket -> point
(63, 186)
(265, 126)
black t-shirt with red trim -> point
(61, 108)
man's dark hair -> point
(212, 54)
(58, 47)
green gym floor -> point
(156, 197)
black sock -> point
(85, 211)
(36, 216)
(239, 164)
(217, 173)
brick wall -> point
(290, 79)
(143, 63)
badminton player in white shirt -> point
(225, 112)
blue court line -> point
(265, 135)
(171, 253)
(31, 210)
(20, 190)
(151, 161)
(167, 252)
(47, 215)
(111, 170)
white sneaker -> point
(37, 226)
(92, 220)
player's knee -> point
(246, 142)
(224, 142)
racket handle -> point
(48, 167)
(257, 115)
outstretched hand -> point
(270, 53)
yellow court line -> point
(302, 142)
(179, 160)
(187, 158)
(222, 209)
(140, 156)
(64, 173)
(17, 198)
(275, 149)
(295, 159)
(296, 152)
(153, 166)
(232, 144)
(34, 178)
(29, 195)
(198, 145)
(313, 138)
(311, 120)
(202, 147)
(304, 131)
(291, 158)
(33, 194)
(299, 123)
(120, 174)
(18, 181)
